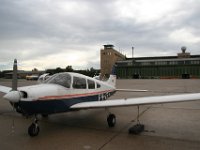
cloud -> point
(37, 31)
(63, 59)
(184, 35)
(145, 11)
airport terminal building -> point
(183, 65)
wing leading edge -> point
(5, 89)
(137, 101)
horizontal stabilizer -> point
(137, 101)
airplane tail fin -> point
(113, 77)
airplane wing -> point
(137, 101)
(5, 89)
(131, 90)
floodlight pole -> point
(132, 52)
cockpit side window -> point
(91, 84)
(98, 85)
(62, 79)
(79, 83)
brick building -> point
(108, 57)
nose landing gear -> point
(34, 129)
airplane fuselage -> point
(58, 94)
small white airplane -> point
(43, 77)
(64, 92)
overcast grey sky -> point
(50, 33)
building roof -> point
(108, 46)
(161, 58)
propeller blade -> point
(14, 95)
(14, 78)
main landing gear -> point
(34, 129)
(138, 128)
(111, 120)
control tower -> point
(108, 57)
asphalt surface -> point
(167, 126)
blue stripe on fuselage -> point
(54, 106)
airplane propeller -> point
(14, 95)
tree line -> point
(88, 72)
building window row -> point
(186, 62)
(195, 62)
(107, 53)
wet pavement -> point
(167, 126)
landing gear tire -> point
(33, 130)
(111, 119)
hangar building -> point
(183, 65)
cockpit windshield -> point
(63, 79)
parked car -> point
(32, 77)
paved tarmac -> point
(167, 126)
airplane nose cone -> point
(13, 96)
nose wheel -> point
(34, 129)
